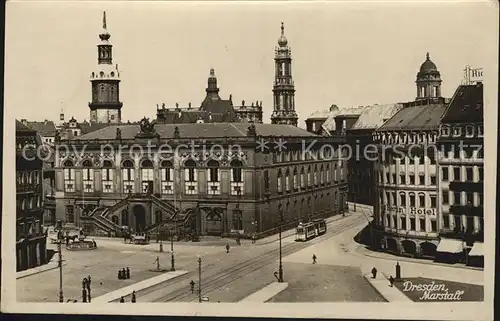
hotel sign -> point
(411, 210)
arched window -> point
(236, 177)
(167, 177)
(412, 199)
(128, 176)
(69, 176)
(315, 175)
(295, 179)
(321, 175)
(190, 179)
(327, 173)
(213, 177)
(421, 200)
(107, 176)
(88, 176)
(302, 178)
(147, 172)
(402, 199)
(280, 187)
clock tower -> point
(105, 106)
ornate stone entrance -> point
(140, 217)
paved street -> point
(338, 275)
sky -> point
(348, 54)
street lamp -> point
(199, 279)
(172, 248)
(280, 269)
(59, 250)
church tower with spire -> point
(428, 80)
(283, 88)
(105, 106)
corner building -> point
(213, 188)
(461, 176)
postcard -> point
(265, 159)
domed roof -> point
(428, 65)
(282, 41)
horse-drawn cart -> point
(140, 238)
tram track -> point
(240, 269)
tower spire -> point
(283, 89)
(427, 56)
(104, 20)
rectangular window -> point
(422, 224)
(433, 180)
(394, 179)
(266, 180)
(458, 223)
(433, 226)
(481, 201)
(107, 180)
(469, 176)
(446, 221)
(402, 179)
(412, 224)
(446, 198)
(403, 223)
(412, 179)
(456, 198)
(433, 201)
(470, 224)
(302, 180)
(470, 198)
(421, 179)
(88, 180)
(481, 177)
(456, 173)
(444, 172)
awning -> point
(477, 249)
(450, 246)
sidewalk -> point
(382, 286)
(125, 291)
(385, 256)
(266, 293)
(39, 269)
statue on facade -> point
(146, 126)
(176, 132)
(251, 131)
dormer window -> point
(457, 131)
(445, 131)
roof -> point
(428, 65)
(415, 118)
(375, 116)
(329, 123)
(319, 115)
(203, 130)
(352, 111)
(20, 127)
(87, 127)
(184, 116)
(216, 106)
(44, 128)
(466, 106)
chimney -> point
(243, 103)
(189, 105)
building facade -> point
(359, 138)
(30, 236)
(237, 178)
(283, 88)
(213, 109)
(461, 175)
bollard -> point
(398, 271)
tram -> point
(309, 230)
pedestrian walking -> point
(122, 300)
(128, 273)
(124, 274)
(120, 276)
(374, 272)
(133, 297)
(253, 239)
(192, 286)
(391, 281)
(227, 248)
(314, 258)
(94, 243)
(88, 282)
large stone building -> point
(461, 176)
(213, 109)
(30, 236)
(237, 177)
